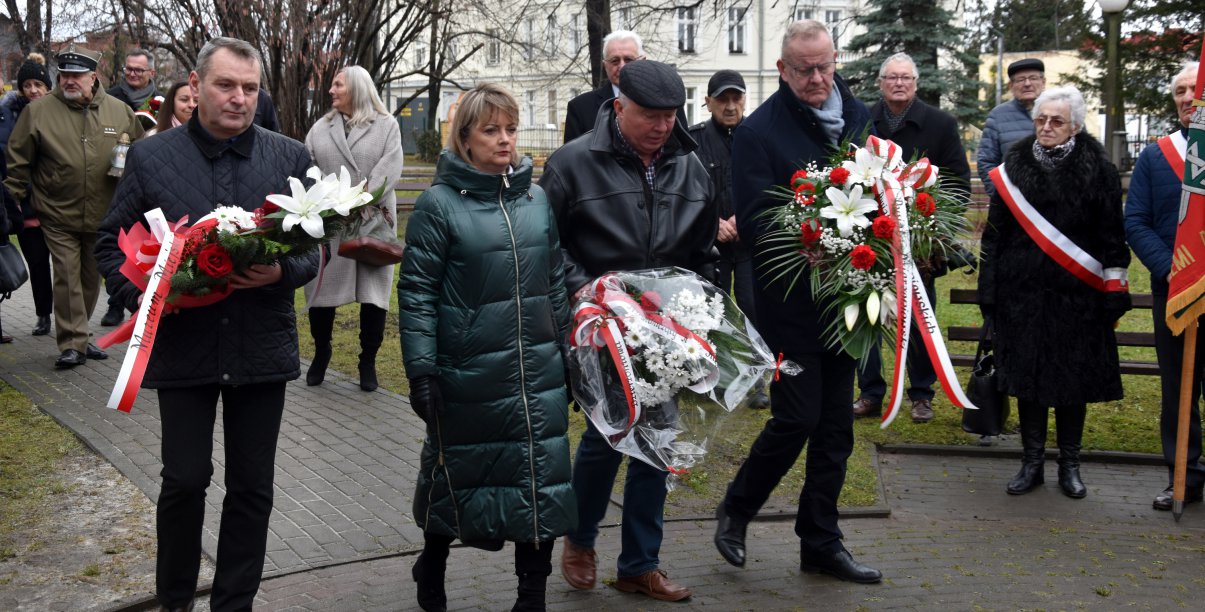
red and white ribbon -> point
(1174, 147)
(1055, 243)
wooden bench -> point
(1138, 339)
(405, 203)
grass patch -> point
(31, 443)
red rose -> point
(798, 177)
(838, 176)
(805, 187)
(883, 227)
(650, 301)
(214, 262)
(862, 257)
(809, 233)
(926, 204)
(155, 102)
(269, 208)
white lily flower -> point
(872, 306)
(851, 315)
(345, 196)
(849, 209)
(866, 167)
(887, 307)
(304, 206)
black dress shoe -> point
(1163, 501)
(113, 317)
(730, 537)
(96, 354)
(841, 565)
(42, 327)
(69, 359)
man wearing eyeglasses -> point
(620, 48)
(138, 86)
(810, 114)
(1010, 121)
(921, 131)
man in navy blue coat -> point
(1152, 213)
(807, 117)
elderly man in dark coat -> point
(812, 111)
(242, 349)
(629, 196)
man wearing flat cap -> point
(60, 151)
(1010, 121)
(725, 100)
(629, 196)
(804, 121)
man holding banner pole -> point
(1165, 211)
(241, 350)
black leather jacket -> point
(609, 218)
(715, 151)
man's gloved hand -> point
(425, 398)
(1114, 305)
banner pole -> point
(1187, 378)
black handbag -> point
(984, 392)
(13, 272)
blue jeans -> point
(594, 470)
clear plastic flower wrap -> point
(659, 358)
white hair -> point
(365, 102)
(1074, 100)
(805, 29)
(622, 35)
(1190, 68)
(898, 57)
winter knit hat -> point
(34, 67)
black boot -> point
(322, 325)
(533, 564)
(42, 327)
(428, 573)
(1069, 432)
(1033, 441)
(372, 333)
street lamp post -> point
(1114, 111)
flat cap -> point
(724, 80)
(1029, 63)
(652, 84)
(75, 59)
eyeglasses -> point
(621, 60)
(803, 72)
(899, 78)
(1033, 78)
(1054, 122)
(133, 70)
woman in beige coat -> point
(361, 135)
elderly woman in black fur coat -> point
(1052, 323)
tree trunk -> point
(598, 25)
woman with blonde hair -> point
(358, 134)
(484, 313)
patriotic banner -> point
(1184, 303)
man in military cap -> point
(1010, 121)
(70, 186)
(631, 195)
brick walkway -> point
(342, 537)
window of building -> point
(420, 56)
(529, 39)
(553, 119)
(623, 19)
(552, 36)
(833, 20)
(493, 47)
(530, 97)
(575, 32)
(691, 105)
(802, 13)
(688, 28)
(737, 28)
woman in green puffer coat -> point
(483, 318)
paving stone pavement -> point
(342, 538)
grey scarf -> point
(1052, 157)
(894, 121)
(829, 115)
(137, 97)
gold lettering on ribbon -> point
(1182, 257)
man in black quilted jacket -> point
(242, 349)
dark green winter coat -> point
(483, 309)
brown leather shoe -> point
(922, 411)
(579, 565)
(655, 584)
(866, 407)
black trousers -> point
(529, 558)
(811, 408)
(1169, 350)
(251, 418)
(37, 257)
(736, 279)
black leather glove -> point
(426, 399)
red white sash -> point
(1174, 147)
(1054, 243)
